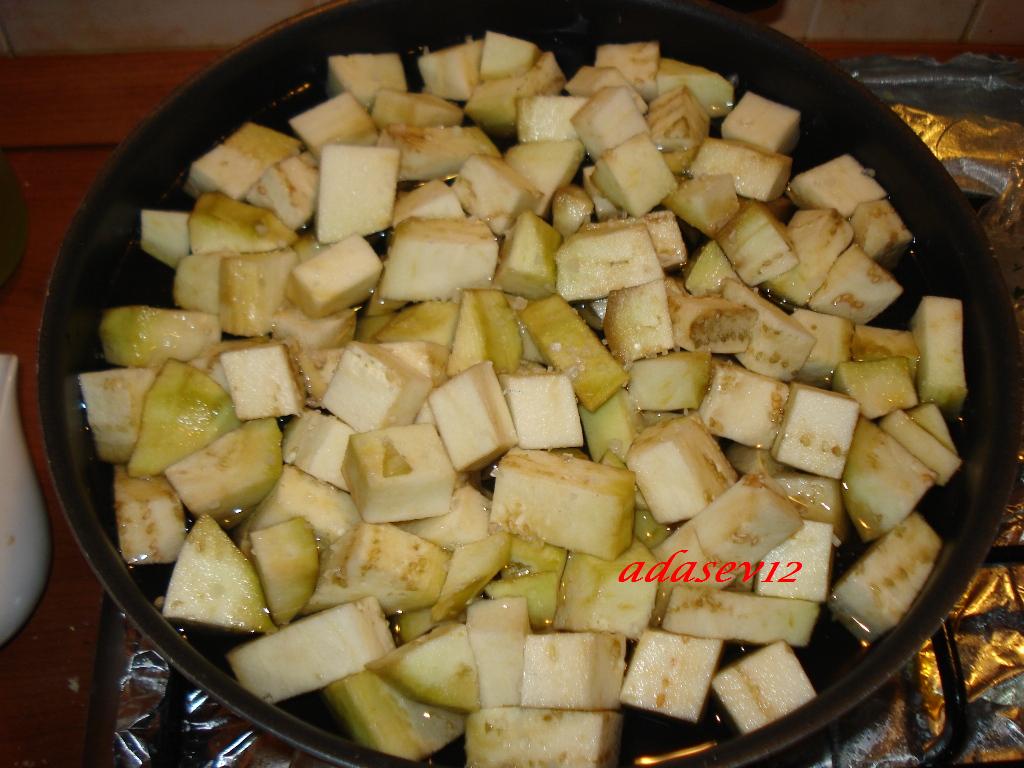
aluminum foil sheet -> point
(970, 112)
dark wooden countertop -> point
(61, 117)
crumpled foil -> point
(970, 112)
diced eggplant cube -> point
(762, 687)
(638, 63)
(708, 271)
(150, 519)
(756, 174)
(922, 444)
(679, 467)
(637, 323)
(880, 232)
(433, 200)
(816, 432)
(288, 189)
(316, 442)
(473, 417)
(609, 118)
(713, 91)
(435, 151)
(506, 56)
(779, 345)
(218, 223)
(809, 550)
(565, 501)
(357, 191)
(547, 165)
(252, 290)
(671, 674)
(465, 521)
(833, 338)
(763, 123)
(872, 343)
(494, 103)
(141, 336)
(497, 634)
(613, 426)
(261, 382)
(706, 202)
(743, 406)
(677, 121)
(856, 288)
(543, 410)
(819, 499)
(818, 237)
(882, 481)
(938, 328)
(341, 120)
(113, 406)
(573, 670)
(877, 591)
(753, 461)
(453, 72)
(364, 74)
(527, 264)
(547, 118)
(234, 166)
(670, 382)
(542, 738)
(756, 244)
(929, 416)
(597, 260)
(337, 278)
(604, 209)
(842, 183)
(880, 386)
(330, 512)
(164, 235)
(633, 175)
(494, 192)
(418, 110)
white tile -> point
(791, 17)
(48, 26)
(890, 19)
(998, 21)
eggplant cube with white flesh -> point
(330, 512)
(763, 123)
(743, 406)
(879, 386)
(671, 674)
(707, 272)
(357, 191)
(755, 173)
(150, 519)
(365, 74)
(164, 235)
(547, 118)
(235, 165)
(542, 738)
(465, 521)
(819, 499)
(779, 345)
(527, 265)
(547, 165)
(880, 232)
(706, 202)
(637, 322)
(757, 244)
(938, 328)
(471, 568)
(218, 223)
(638, 63)
(817, 237)
(544, 411)
(497, 635)
(609, 118)
(435, 151)
(634, 175)
(487, 329)
(287, 562)
(573, 670)
(597, 260)
(252, 290)
(816, 431)
(494, 192)
(841, 184)
(339, 120)
(670, 382)
(710, 324)
(262, 382)
(493, 105)
(433, 200)
(925, 447)
(316, 442)
(804, 565)
(870, 342)
(113, 406)
(452, 72)
(833, 342)
(856, 288)
(337, 278)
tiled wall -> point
(48, 26)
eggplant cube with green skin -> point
(757, 244)
(872, 343)
(337, 278)
(569, 502)
(487, 330)
(877, 590)
(453, 72)
(679, 468)
(399, 473)
(609, 118)
(856, 287)
(763, 123)
(671, 674)
(742, 617)
(409, 625)
(340, 120)
(364, 75)
(465, 521)
(880, 232)
(437, 669)
(234, 166)
(142, 336)
(433, 200)
(542, 738)
(711, 324)
(527, 265)
(753, 461)
(744, 406)
(401, 570)
(670, 382)
(540, 590)
(493, 105)
(809, 550)
(373, 388)
(543, 410)
(707, 202)
(633, 175)
(569, 346)
(429, 321)
(613, 426)
(313, 651)
(357, 191)
(316, 442)
(435, 151)
(418, 110)
(593, 599)
(286, 559)
(818, 237)
(816, 431)
(677, 121)
(164, 235)
(497, 635)
(833, 340)
(880, 386)
(375, 715)
(747, 521)
(218, 223)
(755, 173)
(252, 290)
(637, 323)
(638, 63)
(707, 272)
(547, 165)
(113, 406)
(882, 481)
(232, 473)
(922, 444)
(427, 357)
(329, 511)
(471, 568)
(779, 345)
(494, 192)
(438, 258)
(929, 416)
(547, 118)
(261, 382)
(762, 686)
(573, 670)
(213, 585)
(842, 184)
(938, 328)
(150, 519)
(473, 417)
(597, 260)
(819, 499)
(713, 91)
(183, 411)
(289, 190)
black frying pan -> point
(282, 72)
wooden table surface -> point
(61, 117)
